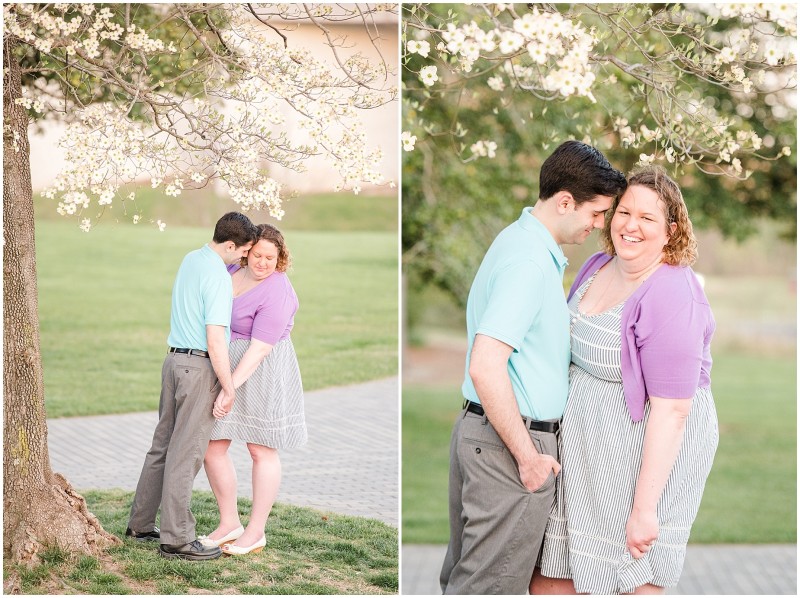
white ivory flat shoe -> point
(230, 537)
(254, 549)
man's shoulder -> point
(199, 264)
(514, 244)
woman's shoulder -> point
(674, 283)
(279, 279)
(276, 285)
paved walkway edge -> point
(349, 466)
(709, 569)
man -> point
(196, 370)
(504, 445)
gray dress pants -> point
(496, 523)
(188, 389)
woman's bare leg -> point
(222, 477)
(266, 482)
(550, 585)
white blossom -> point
(408, 140)
(484, 148)
(646, 159)
(418, 47)
(496, 83)
(428, 75)
(772, 55)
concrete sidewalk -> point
(709, 569)
(349, 466)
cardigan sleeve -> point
(276, 311)
(670, 333)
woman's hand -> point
(223, 404)
(641, 532)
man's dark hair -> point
(582, 170)
(235, 227)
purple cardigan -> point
(667, 327)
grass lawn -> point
(327, 211)
(751, 493)
(104, 303)
(307, 552)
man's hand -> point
(534, 474)
(641, 532)
(223, 404)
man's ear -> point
(563, 201)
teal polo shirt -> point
(202, 295)
(517, 297)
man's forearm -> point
(489, 372)
(218, 353)
(497, 398)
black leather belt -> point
(532, 424)
(197, 352)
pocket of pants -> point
(548, 483)
(481, 434)
(215, 390)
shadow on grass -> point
(307, 552)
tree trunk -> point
(40, 508)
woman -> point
(268, 411)
(640, 428)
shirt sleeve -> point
(274, 314)
(514, 302)
(671, 346)
(217, 300)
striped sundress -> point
(601, 454)
(268, 409)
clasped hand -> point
(223, 404)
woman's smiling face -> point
(639, 228)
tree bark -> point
(40, 508)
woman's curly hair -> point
(267, 232)
(681, 250)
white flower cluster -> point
(725, 143)
(784, 14)
(78, 28)
(190, 141)
(556, 56)
(484, 148)
(29, 104)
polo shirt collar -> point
(531, 223)
(210, 253)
